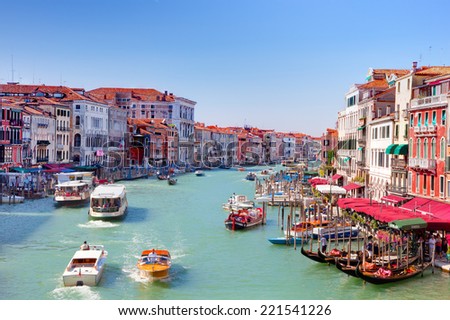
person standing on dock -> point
(323, 243)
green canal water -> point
(209, 262)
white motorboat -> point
(11, 199)
(335, 232)
(72, 192)
(108, 201)
(86, 267)
(238, 202)
(199, 173)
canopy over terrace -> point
(317, 181)
(436, 214)
(330, 188)
(395, 200)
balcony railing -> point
(429, 101)
(60, 146)
(425, 129)
(398, 164)
(42, 159)
(402, 191)
(422, 163)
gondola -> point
(331, 256)
(350, 270)
(313, 255)
(382, 276)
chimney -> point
(165, 93)
(414, 66)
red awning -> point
(316, 181)
(336, 177)
(414, 204)
(394, 199)
(351, 186)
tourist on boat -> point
(369, 247)
(323, 243)
(84, 246)
(153, 257)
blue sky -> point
(283, 65)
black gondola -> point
(382, 276)
(313, 255)
(350, 270)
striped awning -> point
(400, 149)
(390, 149)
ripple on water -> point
(75, 293)
(98, 224)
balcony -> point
(429, 102)
(401, 191)
(45, 159)
(429, 164)
(16, 141)
(60, 146)
(398, 164)
(16, 123)
(425, 130)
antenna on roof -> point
(12, 68)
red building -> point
(10, 135)
(428, 138)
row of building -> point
(123, 127)
(393, 134)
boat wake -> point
(98, 224)
(75, 293)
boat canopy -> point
(408, 224)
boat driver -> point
(84, 246)
(153, 257)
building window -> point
(77, 120)
(410, 148)
(442, 147)
(411, 121)
(433, 118)
(426, 119)
(419, 152)
(424, 186)
(419, 119)
(441, 186)
(444, 117)
(417, 183)
(433, 148)
(425, 149)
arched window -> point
(419, 152)
(425, 149)
(442, 151)
(433, 148)
(77, 140)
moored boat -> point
(384, 275)
(154, 264)
(244, 219)
(108, 201)
(172, 181)
(86, 267)
(313, 255)
(11, 199)
(335, 232)
(238, 202)
(288, 240)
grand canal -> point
(38, 239)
